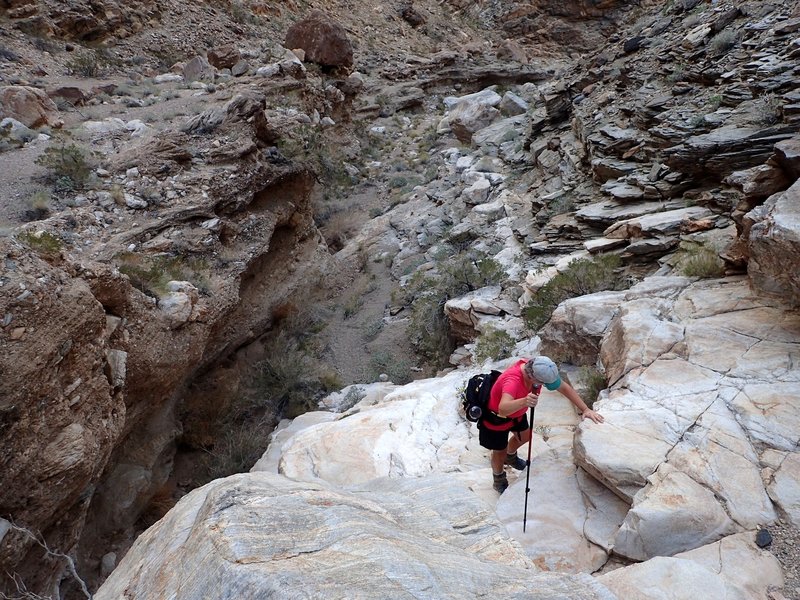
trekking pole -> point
(528, 476)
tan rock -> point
(28, 105)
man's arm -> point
(509, 405)
(587, 413)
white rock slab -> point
(718, 454)
(416, 430)
(260, 535)
(553, 536)
(663, 223)
(673, 513)
(733, 568)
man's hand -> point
(590, 414)
(531, 400)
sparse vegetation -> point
(68, 166)
(699, 260)
(494, 344)
(241, 13)
(456, 273)
(238, 449)
(86, 64)
(583, 276)
(697, 121)
(397, 368)
(39, 206)
(290, 379)
(722, 42)
(677, 74)
(45, 244)
(150, 274)
(715, 101)
(594, 382)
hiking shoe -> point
(515, 462)
(500, 482)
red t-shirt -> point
(509, 382)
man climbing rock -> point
(516, 390)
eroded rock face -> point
(95, 370)
(85, 20)
(324, 41)
(60, 415)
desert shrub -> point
(39, 206)
(289, 378)
(237, 450)
(45, 244)
(372, 330)
(698, 260)
(715, 101)
(85, 64)
(677, 74)
(396, 367)
(46, 44)
(241, 13)
(722, 42)
(494, 344)
(456, 273)
(68, 166)
(583, 276)
(150, 274)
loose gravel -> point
(786, 548)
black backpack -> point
(475, 399)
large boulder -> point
(324, 41)
(261, 535)
(774, 244)
(29, 105)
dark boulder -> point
(324, 41)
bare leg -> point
(517, 440)
(498, 460)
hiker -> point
(514, 392)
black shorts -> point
(498, 440)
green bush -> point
(39, 205)
(583, 276)
(494, 344)
(456, 273)
(242, 14)
(289, 379)
(68, 166)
